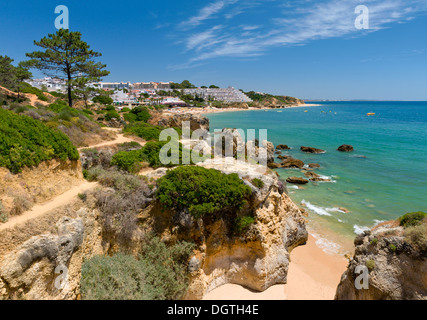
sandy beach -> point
(204, 111)
(313, 275)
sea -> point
(384, 178)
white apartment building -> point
(229, 94)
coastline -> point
(223, 110)
(313, 275)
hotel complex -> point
(127, 92)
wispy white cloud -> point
(207, 12)
(308, 21)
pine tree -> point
(68, 57)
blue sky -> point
(304, 48)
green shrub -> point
(202, 191)
(129, 160)
(370, 264)
(82, 196)
(144, 130)
(412, 219)
(130, 117)
(27, 142)
(160, 273)
(374, 242)
(243, 224)
(110, 108)
(392, 247)
(126, 109)
(103, 99)
(258, 183)
(112, 115)
(142, 114)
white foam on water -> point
(327, 178)
(334, 210)
(319, 210)
(293, 187)
(326, 245)
(360, 229)
(378, 222)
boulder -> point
(274, 165)
(312, 150)
(315, 177)
(296, 180)
(290, 162)
(346, 148)
(314, 165)
(283, 147)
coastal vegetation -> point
(412, 219)
(202, 192)
(27, 142)
(271, 99)
(144, 130)
(159, 273)
(133, 161)
(415, 225)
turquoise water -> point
(385, 177)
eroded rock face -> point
(196, 121)
(31, 271)
(396, 270)
(258, 259)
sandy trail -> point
(119, 140)
(313, 275)
(41, 209)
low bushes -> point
(144, 130)
(138, 114)
(112, 115)
(131, 161)
(417, 236)
(27, 142)
(202, 191)
(243, 224)
(412, 219)
(258, 183)
(159, 273)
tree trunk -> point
(70, 98)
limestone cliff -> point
(31, 254)
(257, 259)
(34, 269)
(397, 270)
